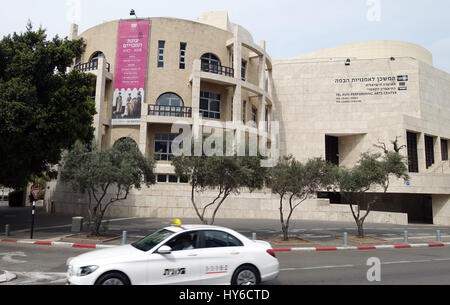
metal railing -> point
(217, 69)
(171, 111)
(90, 66)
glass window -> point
(210, 63)
(149, 242)
(244, 111)
(173, 179)
(161, 46)
(254, 114)
(444, 149)
(185, 241)
(210, 105)
(243, 69)
(182, 55)
(169, 104)
(184, 179)
(163, 147)
(162, 178)
(219, 239)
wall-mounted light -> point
(392, 58)
(347, 62)
(132, 13)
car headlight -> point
(83, 271)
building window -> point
(254, 114)
(161, 46)
(244, 111)
(413, 159)
(210, 105)
(163, 146)
(332, 149)
(444, 149)
(182, 55)
(210, 63)
(267, 118)
(429, 151)
(162, 178)
(243, 69)
(169, 104)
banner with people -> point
(130, 72)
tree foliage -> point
(225, 175)
(372, 172)
(295, 182)
(43, 109)
(106, 176)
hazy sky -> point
(290, 27)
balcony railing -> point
(91, 66)
(171, 111)
(217, 69)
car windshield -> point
(151, 241)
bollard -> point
(254, 236)
(406, 236)
(124, 238)
(438, 235)
(7, 230)
(345, 239)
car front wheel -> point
(245, 276)
(113, 278)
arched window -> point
(126, 143)
(169, 104)
(97, 55)
(210, 63)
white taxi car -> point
(181, 255)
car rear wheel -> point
(245, 276)
(113, 278)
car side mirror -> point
(164, 250)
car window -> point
(185, 241)
(152, 240)
(218, 239)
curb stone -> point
(314, 249)
(6, 276)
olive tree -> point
(225, 175)
(371, 173)
(294, 183)
(106, 176)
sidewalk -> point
(312, 234)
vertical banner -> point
(131, 72)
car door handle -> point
(193, 255)
(235, 253)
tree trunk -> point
(285, 229)
(360, 225)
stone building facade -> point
(334, 103)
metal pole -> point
(254, 236)
(438, 236)
(33, 209)
(406, 236)
(345, 239)
(7, 230)
(124, 237)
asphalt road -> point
(43, 265)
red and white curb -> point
(57, 244)
(327, 249)
(380, 247)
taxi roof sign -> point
(177, 223)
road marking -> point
(38, 278)
(7, 257)
(317, 268)
(351, 266)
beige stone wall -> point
(441, 210)
(155, 203)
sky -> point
(290, 27)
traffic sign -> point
(36, 192)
